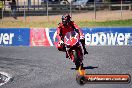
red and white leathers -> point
(63, 29)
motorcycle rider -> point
(66, 26)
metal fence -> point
(88, 11)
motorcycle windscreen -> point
(71, 38)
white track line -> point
(7, 79)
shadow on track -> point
(87, 67)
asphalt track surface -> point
(41, 67)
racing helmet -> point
(66, 18)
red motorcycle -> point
(74, 48)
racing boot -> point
(83, 45)
(85, 51)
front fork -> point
(79, 53)
(67, 52)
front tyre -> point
(76, 60)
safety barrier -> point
(47, 37)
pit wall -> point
(47, 36)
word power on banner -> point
(6, 38)
(14, 36)
(108, 36)
(107, 39)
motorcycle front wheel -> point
(77, 60)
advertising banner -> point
(14, 36)
(102, 36)
(49, 37)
